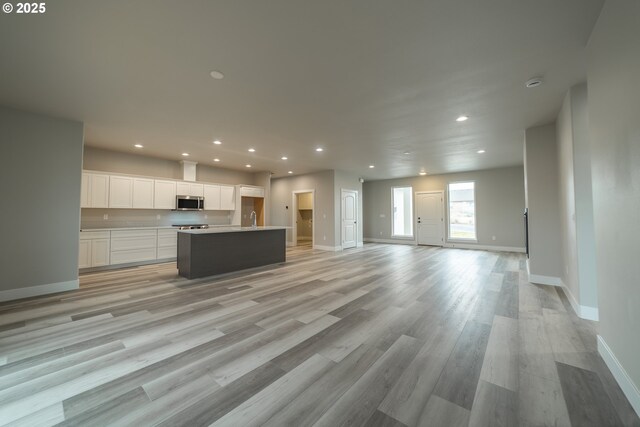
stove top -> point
(191, 226)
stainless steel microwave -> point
(189, 203)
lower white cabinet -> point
(133, 246)
(94, 249)
(167, 243)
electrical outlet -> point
(324, 237)
(493, 237)
(206, 216)
(105, 217)
(383, 216)
(324, 216)
(158, 216)
(381, 233)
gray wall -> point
(40, 174)
(281, 198)
(542, 199)
(575, 198)
(613, 67)
(136, 164)
(499, 203)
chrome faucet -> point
(253, 219)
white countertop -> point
(232, 229)
(157, 227)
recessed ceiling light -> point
(185, 154)
(217, 75)
(247, 166)
(284, 157)
(462, 119)
(371, 166)
(252, 150)
(481, 151)
(319, 149)
(290, 172)
(534, 82)
(406, 153)
(423, 173)
(138, 146)
(217, 142)
(216, 160)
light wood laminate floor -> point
(385, 335)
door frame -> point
(342, 190)
(294, 215)
(442, 230)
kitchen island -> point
(226, 249)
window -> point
(402, 212)
(462, 211)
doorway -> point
(303, 218)
(349, 219)
(430, 217)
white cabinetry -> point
(133, 246)
(190, 189)
(227, 198)
(143, 193)
(164, 194)
(211, 197)
(94, 191)
(251, 191)
(167, 243)
(94, 249)
(120, 192)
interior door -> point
(349, 219)
(430, 218)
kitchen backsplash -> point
(117, 218)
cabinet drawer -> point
(166, 241)
(163, 232)
(134, 233)
(167, 252)
(90, 235)
(129, 243)
(134, 255)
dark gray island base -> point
(209, 252)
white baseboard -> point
(33, 291)
(360, 244)
(583, 311)
(545, 280)
(290, 244)
(392, 241)
(484, 247)
(624, 381)
(328, 248)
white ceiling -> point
(365, 79)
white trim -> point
(391, 241)
(294, 215)
(32, 291)
(582, 311)
(328, 248)
(413, 213)
(360, 244)
(484, 247)
(622, 378)
(545, 280)
(475, 209)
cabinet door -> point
(142, 193)
(84, 256)
(164, 195)
(120, 192)
(212, 197)
(227, 198)
(99, 193)
(183, 189)
(99, 252)
(85, 190)
(196, 190)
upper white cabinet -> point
(95, 190)
(143, 189)
(190, 189)
(120, 192)
(227, 198)
(164, 194)
(251, 191)
(211, 197)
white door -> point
(349, 219)
(183, 189)
(120, 192)
(212, 197)
(84, 256)
(99, 193)
(143, 193)
(164, 196)
(85, 192)
(430, 218)
(100, 252)
(227, 198)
